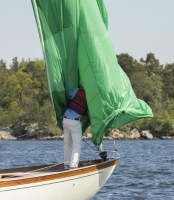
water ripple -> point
(145, 170)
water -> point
(145, 169)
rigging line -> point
(91, 146)
(115, 148)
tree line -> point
(25, 103)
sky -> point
(136, 27)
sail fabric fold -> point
(77, 50)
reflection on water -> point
(145, 169)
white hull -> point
(80, 184)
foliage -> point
(153, 83)
(25, 105)
(24, 98)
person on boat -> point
(72, 127)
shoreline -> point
(115, 134)
(83, 138)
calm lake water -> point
(145, 169)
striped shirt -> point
(70, 113)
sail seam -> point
(90, 65)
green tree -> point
(15, 64)
(3, 66)
(25, 98)
(168, 80)
(3, 71)
(129, 65)
(156, 97)
(139, 81)
(151, 64)
(126, 63)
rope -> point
(43, 168)
(46, 167)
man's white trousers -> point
(72, 130)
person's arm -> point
(73, 92)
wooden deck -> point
(27, 175)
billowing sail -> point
(77, 50)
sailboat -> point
(77, 50)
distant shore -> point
(5, 134)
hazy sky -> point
(136, 27)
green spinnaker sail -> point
(77, 50)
